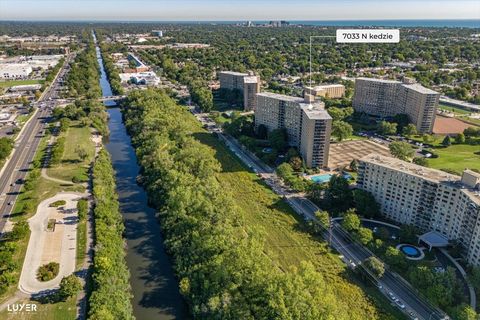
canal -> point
(154, 286)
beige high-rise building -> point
(429, 199)
(327, 91)
(387, 98)
(307, 123)
(248, 84)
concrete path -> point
(47, 246)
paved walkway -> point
(46, 246)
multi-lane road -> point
(396, 289)
(14, 172)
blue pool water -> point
(322, 178)
(410, 251)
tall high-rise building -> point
(248, 84)
(307, 123)
(387, 98)
(430, 199)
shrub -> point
(48, 271)
(69, 286)
(58, 203)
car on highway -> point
(390, 294)
(412, 315)
(400, 304)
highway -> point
(15, 170)
(394, 287)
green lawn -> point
(453, 109)
(81, 242)
(457, 157)
(11, 83)
(287, 244)
(71, 164)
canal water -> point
(154, 286)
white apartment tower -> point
(387, 98)
(307, 123)
(429, 199)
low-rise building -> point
(387, 98)
(327, 91)
(247, 83)
(430, 199)
(11, 71)
(307, 123)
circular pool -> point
(411, 252)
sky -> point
(234, 10)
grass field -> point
(457, 157)
(11, 83)
(71, 164)
(286, 242)
(453, 109)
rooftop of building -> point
(234, 73)
(250, 79)
(315, 111)
(379, 80)
(429, 174)
(419, 88)
(279, 96)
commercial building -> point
(157, 33)
(247, 83)
(432, 200)
(327, 91)
(387, 98)
(307, 123)
(11, 71)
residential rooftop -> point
(419, 88)
(250, 79)
(279, 96)
(234, 73)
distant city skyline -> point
(235, 10)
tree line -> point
(111, 292)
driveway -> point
(47, 246)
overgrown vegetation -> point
(111, 292)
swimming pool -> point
(410, 251)
(322, 178)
